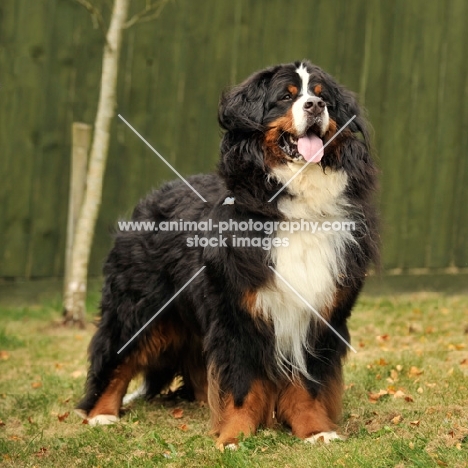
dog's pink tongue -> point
(311, 148)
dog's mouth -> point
(308, 147)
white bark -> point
(74, 301)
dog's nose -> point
(314, 105)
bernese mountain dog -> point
(257, 328)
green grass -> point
(412, 349)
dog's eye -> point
(286, 97)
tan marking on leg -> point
(110, 401)
(304, 414)
(257, 408)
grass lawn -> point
(405, 405)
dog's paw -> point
(231, 443)
(103, 420)
(325, 437)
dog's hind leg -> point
(155, 354)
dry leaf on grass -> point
(397, 419)
(1, 423)
(4, 355)
(177, 413)
(62, 417)
(183, 427)
(374, 397)
(382, 338)
(414, 371)
(415, 423)
(36, 385)
(41, 452)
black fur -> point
(145, 269)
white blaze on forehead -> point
(304, 74)
(299, 115)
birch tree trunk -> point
(75, 296)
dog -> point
(257, 329)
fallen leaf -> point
(398, 394)
(464, 362)
(382, 362)
(77, 373)
(62, 417)
(414, 371)
(30, 420)
(415, 423)
(396, 419)
(383, 337)
(183, 427)
(450, 371)
(85, 421)
(420, 390)
(1, 423)
(41, 452)
(399, 368)
(177, 413)
(374, 397)
(4, 355)
(36, 385)
(409, 399)
(414, 328)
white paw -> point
(231, 447)
(138, 393)
(103, 420)
(325, 437)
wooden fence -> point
(406, 60)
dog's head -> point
(296, 108)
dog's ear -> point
(347, 106)
(243, 106)
(343, 105)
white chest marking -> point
(312, 262)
